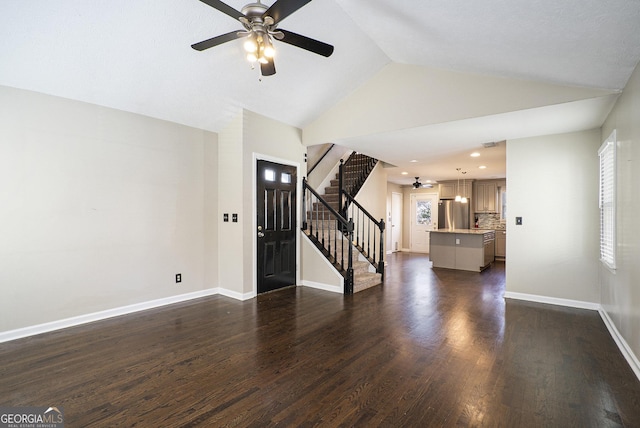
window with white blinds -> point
(607, 154)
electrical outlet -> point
(178, 277)
(519, 221)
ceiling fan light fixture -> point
(267, 46)
(250, 45)
(269, 52)
(260, 24)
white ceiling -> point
(136, 56)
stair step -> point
(332, 190)
(360, 266)
(365, 280)
(319, 206)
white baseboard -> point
(622, 344)
(19, 333)
(236, 295)
(321, 286)
(552, 300)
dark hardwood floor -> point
(429, 348)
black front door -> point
(276, 225)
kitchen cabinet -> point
(501, 244)
(485, 196)
(447, 190)
(450, 189)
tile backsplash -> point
(489, 221)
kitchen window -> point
(607, 201)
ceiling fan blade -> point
(268, 69)
(306, 43)
(283, 8)
(218, 40)
(224, 8)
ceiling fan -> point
(260, 27)
(418, 185)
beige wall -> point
(248, 137)
(100, 209)
(231, 235)
(431, 96)
(620, 292)
(373, 194)
(553, 185)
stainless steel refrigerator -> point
(453, 215)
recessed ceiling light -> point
(404, 173)
(413, 160)
(482, 167)
(427, 181)
(475, 154)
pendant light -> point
(458, 197)
(464, 188)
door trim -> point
(254, 213)
(399, 222)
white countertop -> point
(465, 231)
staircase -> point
(364, 275)
(329, 228)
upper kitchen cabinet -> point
(485, 197)
(451, 189)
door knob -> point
(260, 235)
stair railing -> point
(355, 172)
(320, 160)
(329, 231)
(368, 232)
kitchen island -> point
(463, 249)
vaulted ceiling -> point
(574, 56)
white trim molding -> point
(552, 300)
(236, 295)
(325, 287)
(19, 333)
(622, 344)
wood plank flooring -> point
(429, 348)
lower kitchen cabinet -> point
(501, 244)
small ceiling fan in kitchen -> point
(260, 29)
(418, 185)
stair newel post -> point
(348, 282)
(381, 261)
(304, 203)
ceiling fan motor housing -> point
(254, 10)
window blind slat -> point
(607, 155)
